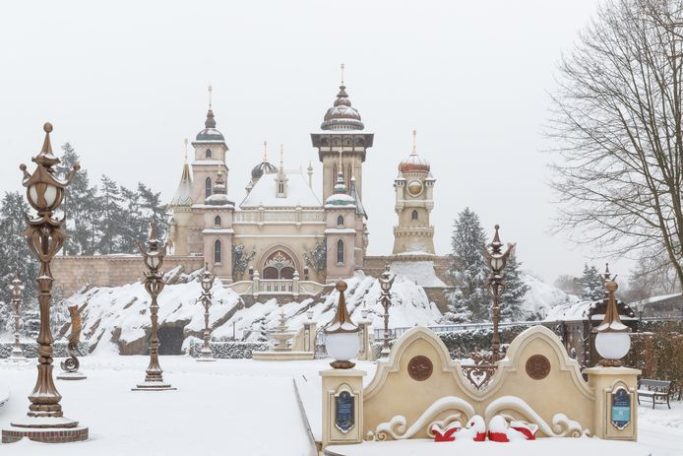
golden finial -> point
(414, 142)
(342, 74)
(210, 93)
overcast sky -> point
(126, 82)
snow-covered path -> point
(227, 407)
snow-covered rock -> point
(543, 301)
(117, 318)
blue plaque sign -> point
(621, 408)
(345, 405)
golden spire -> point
(210, 93)
(414, 142)
(342, 74)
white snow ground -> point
(249, 407)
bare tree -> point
(617, 119)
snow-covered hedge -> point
(461, 344)
(31, 349)
(229, 350)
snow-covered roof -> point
(420, 272)
(298, 193)
(183, 195)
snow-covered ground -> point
(249, 407)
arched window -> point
(413, 216)
(217, 221)
(208, 153)
(217, 252)
(340, 221)
(207, 187)
(340, 252)
(279, 265)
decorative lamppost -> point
(612, 340)
(386, 280)
(207, 280)
(17, 289)
(496, 259)
(154, 257)
(341, 333)
(45, 421)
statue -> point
(71, 364)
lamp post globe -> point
(342, 341)
(612, 345)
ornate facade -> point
(281, 236)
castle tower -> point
(217, 221)
(342, 135)
(342, 221)
(414, 188)
(210, 152)
(181, 210)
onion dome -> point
(342, 116)
(219, 197)
(414, 163)
(265, 167)
(209, 133)
(340, 197)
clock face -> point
(415, 188)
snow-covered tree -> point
(514, 292)
(470, 300)
(109, 222)
(80, 206)
(15, 255)
(592, 288)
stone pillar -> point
(342, 406)
(295, 284)
(310, 328)
(365, 352)
(256, 284)
(616, 406)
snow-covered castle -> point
(282, 236)
(281, 229)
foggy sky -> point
(126, 83)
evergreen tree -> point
(15, 255)
(110, 222)
(514, 292)
(133, 227)
(470, 299)
(591, 284)
(80, 207)
(150, 203)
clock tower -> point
(414, 189)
